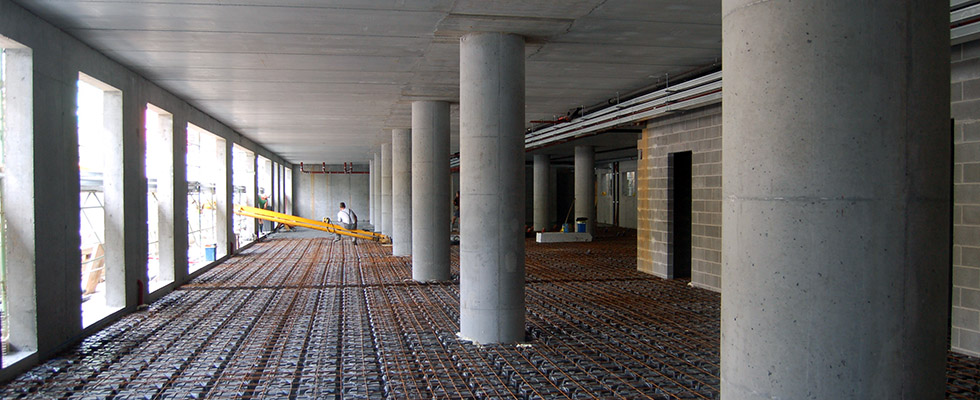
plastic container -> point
(580, 224)
(210, 252)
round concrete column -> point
(491, 155)
(376, 198)
(542, 208)
(585, 185)
(371, 175)
(401, 192)
(836, 187)
(430, 172)
(386, 189)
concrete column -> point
(386, 189)
(401, 192)
(836, 186)
(115, 200)
(491, 281)
(585, 185)
(25, 223)
(376, 199)
(179, 159)
(165, 197)
(372, 173)
(430, 173)
(542, 206)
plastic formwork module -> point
(313, 318)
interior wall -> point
(698, 131)
(965, 93)
(319, 195)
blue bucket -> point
(210, 252)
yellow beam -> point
(293, 220)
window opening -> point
(205, 173)
(631, 183)
(99, 116)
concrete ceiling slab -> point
(324, 80)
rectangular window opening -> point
(205, 198)
(100, 178)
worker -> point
(348, 218)
(265, 205)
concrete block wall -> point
(44, 175)
(698, 131)
(319, 195)
(965, 99)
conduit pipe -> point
(348, 169)
(694, 93)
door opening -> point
(679, 215)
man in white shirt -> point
(347, 218)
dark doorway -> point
(679, 215)
(565, 196)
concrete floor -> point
(301, 316)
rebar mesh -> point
(312, 318)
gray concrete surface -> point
(401, 192)
(836, 199)
(291, 74)
(585, 186)
(542, 198)
(319, 195)
(386, 189)
(430, 189)
(492, 188)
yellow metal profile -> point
(293, 220)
